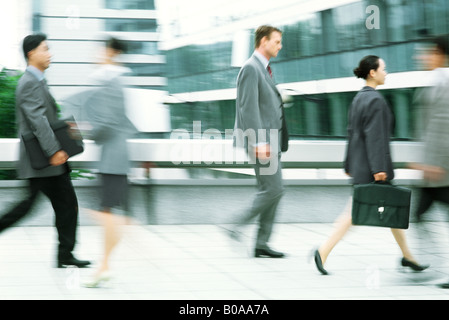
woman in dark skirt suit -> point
(368, 156)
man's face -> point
(435, 59)
(430, 58)
(40, 57)
(381, 73)
(273, 44)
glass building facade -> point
(76, 31)
(130, 4)
(318, 46)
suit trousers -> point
(270, 192)
(429, 195)
(59, 190)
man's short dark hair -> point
(264, 31)
(116, 44)
(31, 42)
(442, 44)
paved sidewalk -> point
(199, 262)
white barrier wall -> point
(220, 153)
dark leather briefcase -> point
(69, 138)
(381, 205)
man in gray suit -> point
(260, 128)
(433, 115)
(36, 109)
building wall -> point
(76, 32)
(320, 50)
(15, 21)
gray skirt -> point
(114, 192)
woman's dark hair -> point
(367, 64)
(116, 44)
(31, 42)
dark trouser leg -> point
(266, 223)
(441, 194)
(20, 210)
(62, 195)
(424, 202)
(272, 190)
(428, 196)
(266, 202)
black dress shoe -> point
(268, 253)
(319, 263)
(415, 267)
(73, 262)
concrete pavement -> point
(199, 262)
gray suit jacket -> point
(258, 106)
(111, 128)
(370, 125)
(36, 109)
(104, 108)
(432, 105)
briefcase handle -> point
(382, 182)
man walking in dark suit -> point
(260, 128)
(36, 109)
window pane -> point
(146, 70)
(137, 47)
(130, 4)
(131, 25)
(436, 13)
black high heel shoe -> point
(319, 263)
(415, 267)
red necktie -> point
(269, 71)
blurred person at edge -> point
(432, 104)
(368, 154)
(101, 116)
(36, 110)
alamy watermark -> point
(72, 21)
(372, 280)
(373, 21)
(72, 281)
(203, 147)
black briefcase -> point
(69, 138)
(381, 205)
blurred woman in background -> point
(101, 115)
